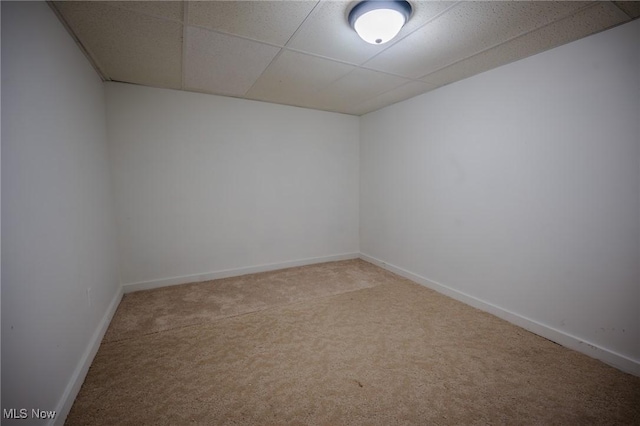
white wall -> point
(58, 226)
(520, 187)
(205, 184)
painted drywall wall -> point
(205, 184)
(58, 224)
(520, 187)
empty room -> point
(320, 212)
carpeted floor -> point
(336, 343)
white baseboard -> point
(164, 282)
(607, 356)
(79, 374)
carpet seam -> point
(235, 315)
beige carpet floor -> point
(336, 343)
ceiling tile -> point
(126, 45)
(327, 31)
(269, 21)
(223, 64)
(406, 91)
(235, 48)
(593, 19)
(465, 30)
(631, 8)
(297, 79)
(356, 87)
(160, 9)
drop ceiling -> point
(304, 53)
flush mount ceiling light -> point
(378, 21)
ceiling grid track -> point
(185, 22)
(85, 51)
(524, 33)
(282, 48)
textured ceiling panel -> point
(304, 53)
(297, 79)
(406, 91)
(327, 31)
(631, 8)
(159, 9)
(356, 87)
(222, 64)
(126, 45)
(269, 21)
(592, 19)
(478, 26)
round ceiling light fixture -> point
(378, 21)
